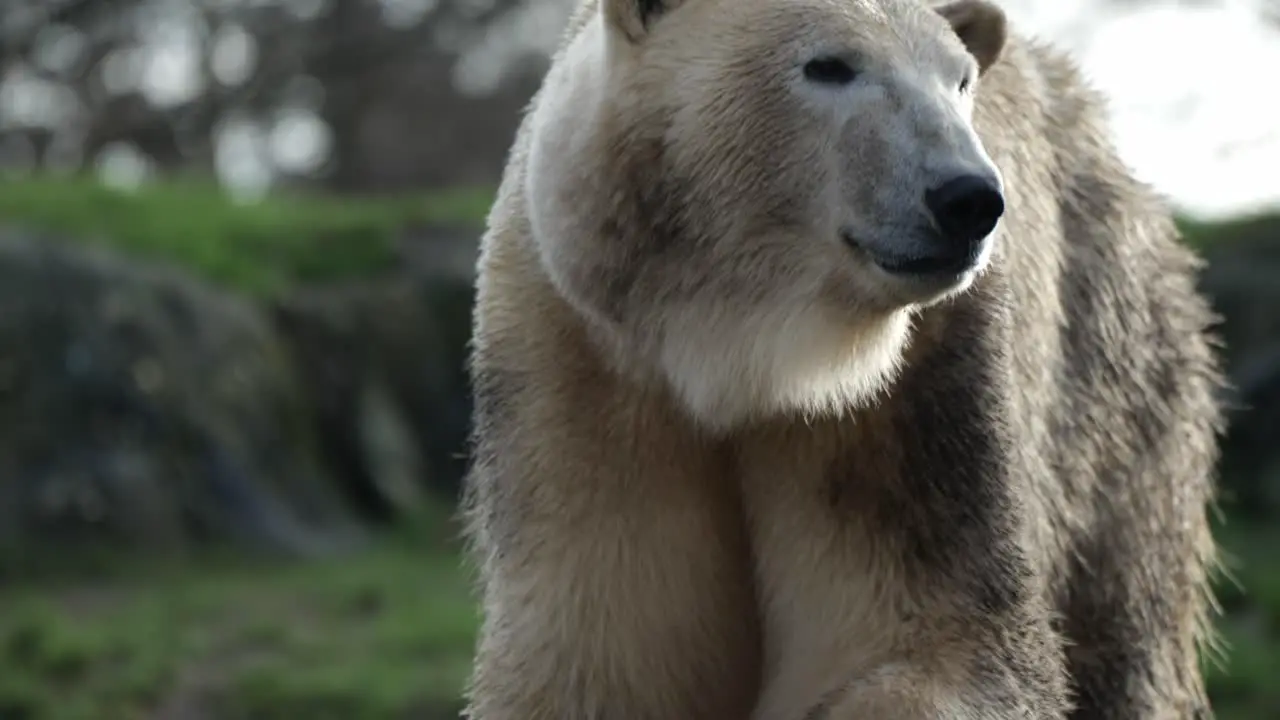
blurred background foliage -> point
(237, 241)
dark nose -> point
(966, 207)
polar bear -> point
(829, 363)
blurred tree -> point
(356, 95)
(353, 94)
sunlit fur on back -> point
(728, 467)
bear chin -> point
(913, 279)
(729, 370)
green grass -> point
(268, 245)
(1244, 686)
(258, 247)
(385, 634)
(1248, 229)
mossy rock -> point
(371, 297)
(141, 407)
(385, 367)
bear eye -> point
(829, 71)
(965, 84)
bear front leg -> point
(892, 570)
(961, 677)
(859, 623)
(906, 691)
(612, 556)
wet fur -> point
(1011, 522)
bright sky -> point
(1193, 93)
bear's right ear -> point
(634, 17)
(981, 26)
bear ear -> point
(981, 26)
(634, 17)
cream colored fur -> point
(693, 496)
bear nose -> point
(966, 207)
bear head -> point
(750, 198)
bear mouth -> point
(938, 261)
(938, 265)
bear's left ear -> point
(982, 28)
(634, 17)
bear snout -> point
(965, 209)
